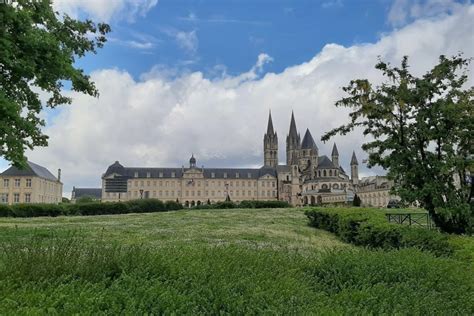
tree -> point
(85, 199)
(38, 49)
(422, 133)
(356, 201)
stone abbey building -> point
(306, 178)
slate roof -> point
(335, 152)
(325, 163)
(293, 132)
(270, 130)
(231, 173)
(92, 192)
(308, 141)
(32, 169)
(354, 159)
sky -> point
(180, 77)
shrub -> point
(33, 210)
(369, 227)
(5, 211)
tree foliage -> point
(38, 49)
(422, 133)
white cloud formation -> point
(159, 120)
(187, 40)
(402, 11)
(105, 10)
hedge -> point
(369, 227)
(243, 204)
(95, 208)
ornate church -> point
(307, 178)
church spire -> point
(270, 130)
(354, 159)
(293, 131)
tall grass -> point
(66, 275)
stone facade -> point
(306, 178)
(34, 184)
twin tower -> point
(270, 144)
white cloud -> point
(105, 10)
(187, 40)
(159, 120)
(403, 11)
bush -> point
(94, 208)
(369, 227)
(33, 210)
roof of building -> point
(308, 141)
(325, 163)
(335, 152)
(354, 159)
(270, 130)
(230, 173)
(92, 192)
(293, 132)
(32, 169)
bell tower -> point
(270, 145)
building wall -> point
(30, 190)
(196, 188)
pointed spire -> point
(270, 130)
(308, 141)
(293, 131)
(334, 150)
(354, 159)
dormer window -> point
(173, 174)
(148, 175)
(213, 175)
(136, 175)
(237, 175)
(225, 174)
(160, 175)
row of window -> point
(160, 194)
(16, 183)
(326, 186)
(4, 197)
(173, 175)
(326, 173)
(206, 183)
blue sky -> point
(178, 77)
(232, 33)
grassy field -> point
(215, 262)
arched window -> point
(330, 173)
(335, 186)
(324, 186)
(319, 173)
(324, 173)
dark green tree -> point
(356, 201)
(422, 134)
(38, 49)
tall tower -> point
(308, 156)
(270, 145)
(292, 143)
(354, 169)
(335, 156)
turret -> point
(292, 143)
(270, 145)
(308, 154)
(335, 156)
(192, 162)
(354, 169)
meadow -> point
(234, 261)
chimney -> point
(59, 175)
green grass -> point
(216, 262)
